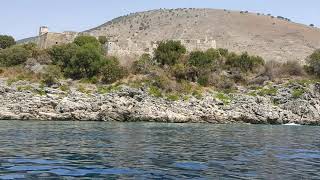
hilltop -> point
(273, 38)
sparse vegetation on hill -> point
(171, 72)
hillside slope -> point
(267, 36)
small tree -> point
(83, 40)
(13, 56)
(245, 62)
(313, 63)
(169, 52)
(85, 63)
(6, 41)
(143, 65)
(203, 59)
(103, 40)
(111, 71)
(62, 54)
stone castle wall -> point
(50, 39)
(126, 50)
(129, 47)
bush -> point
(103, 40)
(272, 69)
(313, 63)
(52, 75)
(85, 63)
(173, 97)
(111, 71)
(6, 41)
(292, 68)
(13, 56)
(203, 80)
(221, 82)
(83, 40)
(169, 52)
(155, 91)
(245, 62)
(223, 52)
(270, 91)
(297, 93)
(33, 49)
(200, 59)
(143, 65)
(62, 54)
(224, 98)
(180, 71)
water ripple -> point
(62, 150)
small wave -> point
(292, 124)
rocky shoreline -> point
(131, 104)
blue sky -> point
(22, 18)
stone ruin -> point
(131, 47)
(114, 47)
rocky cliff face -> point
(129, 104)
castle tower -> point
(43, 30)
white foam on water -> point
(292, 124)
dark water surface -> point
(99, 150)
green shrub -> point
(52, 75)
(155, 91)
(270, 91)
(197, 94)
(92, 80)
(245, 62)
(85, 63)
(62, 54)
(14, 55)
(6, 41)
(143, 65)
(180, 71)
(224, 98)
(313, 63)
(185, 87)
(203, 59)
(111, 71)
(169, 52)
(173, 97)
(203, 80)
(103, 40)
(199, 59)
(297, 93)
(84, 40)
(223, 52)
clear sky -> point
(22, 18)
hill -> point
(273, 38)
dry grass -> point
(19, 73)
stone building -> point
(48, 39)
(127, 50)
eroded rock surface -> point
(129, 104)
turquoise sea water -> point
(100, 150)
